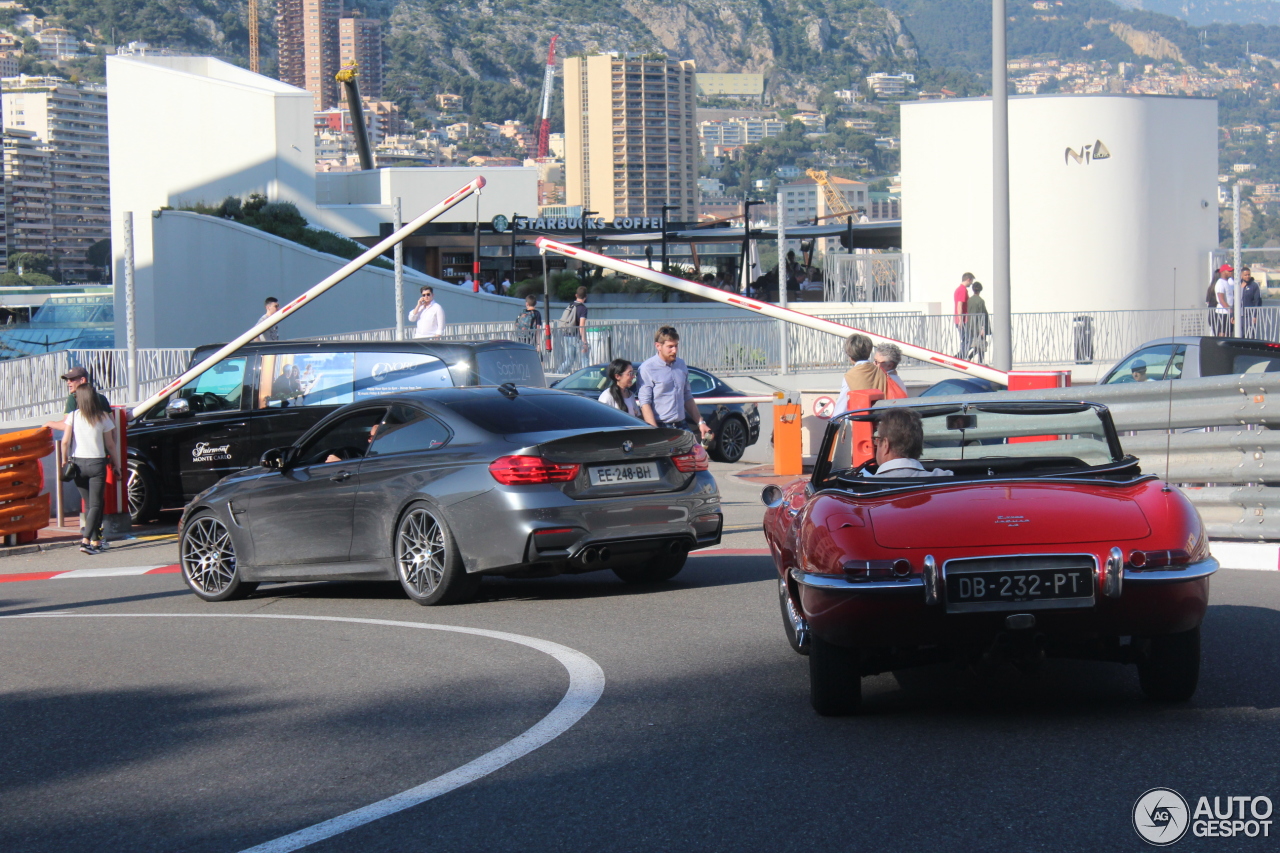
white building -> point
(739, 131)
(890, 85)
(804, 200)
(1111, 199)
(199, 278)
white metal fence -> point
(863, 277)
(32, 387)
(731, 345)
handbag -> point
(70, 471)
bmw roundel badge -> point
(626, 446)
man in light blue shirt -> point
(665, 398)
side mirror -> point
(178, 407)
(771, 496)
(277, 458)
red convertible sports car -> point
(1024, 532)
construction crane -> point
(253, 36)
(548, 83)
(835, 199)
(347, 77)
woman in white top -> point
(622, 376)
(85, 442)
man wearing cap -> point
(75, 377)
(1225, 292)
(1138, 370)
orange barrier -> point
(23, 480)
(25, 444)
(23, 510)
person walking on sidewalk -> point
(960, 299)
(666, 398)
(85, 443)
(573, 332)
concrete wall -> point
(217, 274)
(1104, 234)
(357, 203)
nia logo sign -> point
(1087, 154)
(1160, 817)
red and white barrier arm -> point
(982, 371)
(717, 401)
(346, 271)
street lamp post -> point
(665, 208)
(1001, 316)
(515, 217)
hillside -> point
(1197, 12)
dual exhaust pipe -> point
(592, 555)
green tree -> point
(30, 262)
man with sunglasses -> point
(898, 442)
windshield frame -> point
(821, 466)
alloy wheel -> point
(137, 492)
(420, 551)
(208, 555)
(733, 440)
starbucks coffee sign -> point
(592, 223)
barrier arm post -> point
(346, 271)
(766, 309)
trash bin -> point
(1082, 335)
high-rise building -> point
(631, 143)
(28, 211)
(70, 121)
(360, 42)
(307, 34)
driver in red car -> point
(898, 442)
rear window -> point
(520, 366)
(541, 413)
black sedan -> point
(735, 426)
(438, 488)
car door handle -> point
(341, 476)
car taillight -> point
(530, 471)
(1152, 560)
(695, 460)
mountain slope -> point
(1197, 12)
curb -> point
(72, 574)
(37, 547)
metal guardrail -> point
(32, 387)
(1214, 437)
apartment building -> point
(70, 121)
(890, 85)
(739, 131)
(360, 42)
(630, 141)
(307, 36)
(28, 208)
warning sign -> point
(824, 407)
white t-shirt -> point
(87, 440)
(1226, 288)
(633, 409)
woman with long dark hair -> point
(622, 376)
(85, 442)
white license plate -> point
(640, 472)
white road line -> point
(119, 571)
(1264, 556)
(586, 683)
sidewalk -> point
(68, 536)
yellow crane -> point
(835, 199)
(253, 36)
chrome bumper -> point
(1194, 571)
(835, 582)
